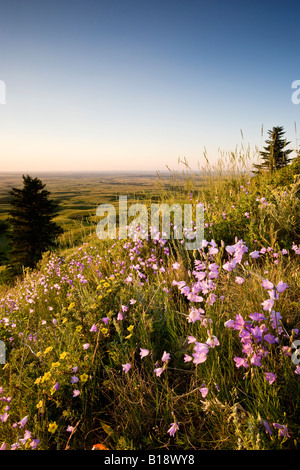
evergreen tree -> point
(274, 156)
(32, 230)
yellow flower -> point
(63, 355)
(39, 353)
(45, 377)
(52, 427)
(72, 305)
(55, 364)
(48, 350)
(78, 328)
(104, 331)
(38, 380)
(130, 328)
(40, 404)
(84, 377)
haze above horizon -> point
(130, 85)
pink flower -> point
(174, 427)
(268, 304)
(144, 352)
(283, 430)
(270, 377)
(175, 265)
(159, 371)
(203, 390)
(94, 328)
(23, 422)
(267, 427)
(255, 254)
(267, 284)
(281, 286)
(165, 357)
(86, 346)
(4, 417)
(240, 361)
(239, 280)
(126, 367)
(76, 393)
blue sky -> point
(135, 84)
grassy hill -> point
(141, 344)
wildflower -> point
(83, 378)
(213, 341)
(4, 417)
(78, 328)
(86, 346)
(267, 427)
(63, 355)
(144, 352)
(23, 422)
(283, 430)
(239, 280)
(240, 361)
(257, 316)
(173, 429)
(270, 377)
(40, 404)
(269, 338)
(76, 393)
(165, 357)
(175, 265)
(281, 286)
(74, 379)
(126, 367)
(70, 428)
(55, 388)
(191, 339)
(94, 328)
(268, 304)
(255, 360)
(34, 443)
(52, 427)
(105, 320)
(187, 358)
(158, 371)
(255, 254)
(47, 350)
(55, 364)
(120, 316)
(203, 390)
(229, 324)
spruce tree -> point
(32, 230)
(274, 156)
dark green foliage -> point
(274, 156)
(32, 230)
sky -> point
(110, 85)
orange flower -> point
(99, 447)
